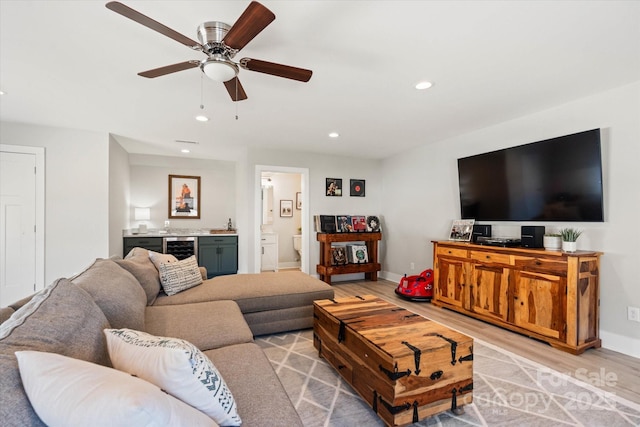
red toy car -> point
(417, 288)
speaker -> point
(531, 236)
(480, 231)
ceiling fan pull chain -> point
(201, 91)
(236, 98)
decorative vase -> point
(569, 246)
(552, 243)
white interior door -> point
(21, 269)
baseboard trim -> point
(620, 343)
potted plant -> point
(552, 241)
(569, 238)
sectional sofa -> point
(219, 317)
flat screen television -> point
(558, 179)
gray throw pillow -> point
(139, 264)
(62, 319)
(116, 292)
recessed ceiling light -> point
(202, 118)
(334, 135)
(424, 85)
(184, 150)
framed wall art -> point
(357, 187)
(333, 187)
(184, 197)
(299, 201)
(286, 208)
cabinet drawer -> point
(217, 240)
(493, 257)
(459, 253)
(543, 265)
(267, 239)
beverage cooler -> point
(180, 247)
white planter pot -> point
(569, 246)
(552, 243)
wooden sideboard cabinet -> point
(370, 269)
(552, 296)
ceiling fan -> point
(220, 42)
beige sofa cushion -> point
(256, 292)
(116, 292)
(207, 325)
(138, 263)
(62, 319)
(255, 386)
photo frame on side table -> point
(461, 230)
(286, 208)
(184, 197)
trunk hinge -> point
(394, 409)
(415, 411)
(454, 346)
(454, 398)
(341, 332)
(395, 375)
(467, 358)
(416, 355)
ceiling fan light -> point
(219, 70)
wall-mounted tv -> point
(558, 179)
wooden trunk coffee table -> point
(405, 366)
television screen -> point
(557, 179)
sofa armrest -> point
(207, 325)
(203, 272)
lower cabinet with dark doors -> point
(218, 254)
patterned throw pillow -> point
(157, 259)
(178, 276)
(176, 366)
(71, 392)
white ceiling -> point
(75, 63)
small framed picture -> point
(461, 230)
(333, 187)
(298, 201)
(357, 187)
(286, 208)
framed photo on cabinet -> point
(184, 197)
(461, 230)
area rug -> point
(508, 390)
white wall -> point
(150, 182)
(419, 207)
(76, 193)
(119, 193)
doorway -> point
(298, 201)
(21, 222)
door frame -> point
(304, 219)
(39, 153)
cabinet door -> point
(227, 259)
(450, 286)
(539, 303)
(208, 258)
(489, 290)
(269, 258)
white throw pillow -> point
(70, 392)
(179, 276)
(157, 259)
(176, 366)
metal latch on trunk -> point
(454, 346)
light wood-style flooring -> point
(606, 369)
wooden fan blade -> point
(174, 68)
(254, 19)
(138, 17)
(235, 89)
(274, 69)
